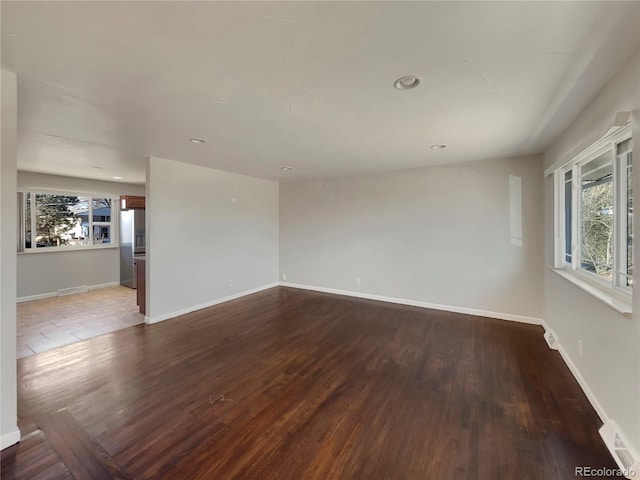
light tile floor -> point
(54, 322)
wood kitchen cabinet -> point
(141, 283)
(133, 202)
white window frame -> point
(115, 209)
(607, 144)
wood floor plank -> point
(288, 383)
(33, 458)
(85, 459)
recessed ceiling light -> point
(117, 178)
(407, 82)
(438, 147)
(286, 169)
(197, 140)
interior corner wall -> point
(9, 433)
(39, 273)
(439, 235)
(610, 364)
(211, 236)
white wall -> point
(76, 185)
(439, 235)
(610, 364)
(199, 239)
(42, 273)
(8, 380)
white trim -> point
(576, 214)
(620, 122)
(103, 246)
(103, 285)
(417, 303)
(559, 256)
(615, 135)
(40, 296)
(620, 305)
(583, 384)
(9, 439)
(183, 311)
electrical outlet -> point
(231, 283)
(357, 280)
(234, 200)
(284, 276)
(580, 347)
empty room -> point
(319, 240)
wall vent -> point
(551, 339)
(70, 291)
(627, 460)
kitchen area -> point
(53, 320)
(133, 247)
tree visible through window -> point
(594, 212)
(568, 215)
(55, 218)
(62, 220)
(596, 248)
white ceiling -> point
(305, 84)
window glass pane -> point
(101, 234)
(60, 220)
(596, 223)
(27, 220)
(568, 209)
(629, 242)
(102, 210)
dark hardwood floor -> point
(292, 384)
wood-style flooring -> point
(54, 322)
(293, 384)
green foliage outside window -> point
(55, 218)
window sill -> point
(619, 305)
(66, 249)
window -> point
(594, 213)
(568, 209)
(596, 216)
(56, 220)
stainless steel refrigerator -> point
(132, 244)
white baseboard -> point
(610, 431)
(9, 439)
(40, 296)
(557, 345)
(583, 384)
(416, 303)
(184, 311)
(103, 285)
